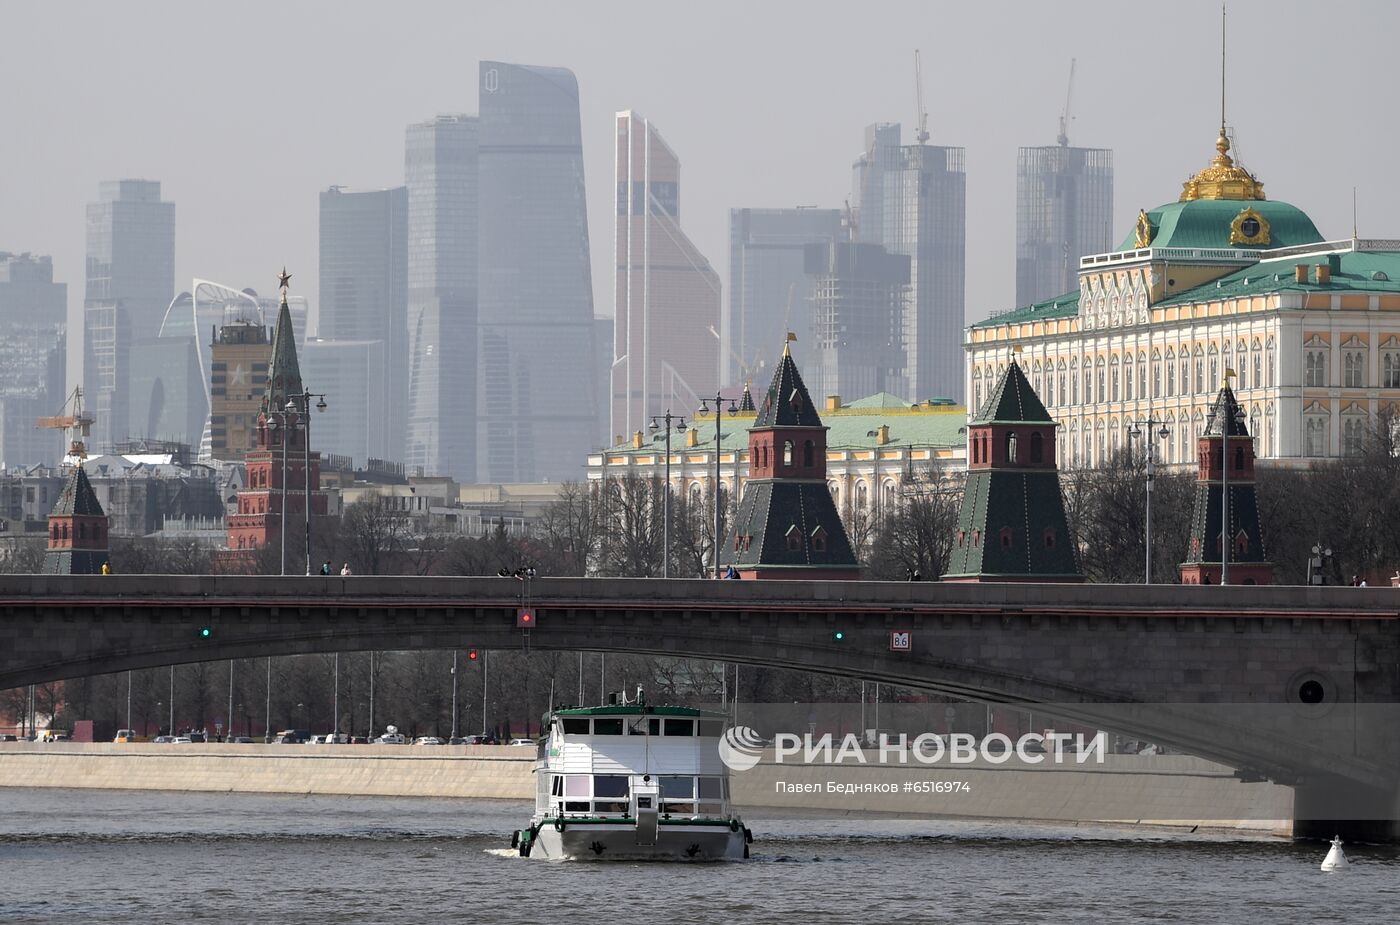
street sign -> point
(901, 641)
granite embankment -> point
(1175, 790)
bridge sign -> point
(901, 641)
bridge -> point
(1298, 685)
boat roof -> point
(635, 710)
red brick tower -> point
(77, 529)
(279, 450)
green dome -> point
(1207, 223)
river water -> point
(108, 856)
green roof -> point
(1206, 223)
(1066, 306)
(1363, 271)
(880, 400)
(1013, 401)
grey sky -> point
(245, 111)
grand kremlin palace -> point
(1221, 279)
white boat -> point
(630, 782)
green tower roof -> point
(1013, 401)
(1206, 223)
(284, 374)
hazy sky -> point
(245, 111)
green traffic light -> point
(839, 635)
(205, 632)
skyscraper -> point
(130, 283)
(364, 294)
(536, 392)
(357, 416)
(769, 290)
(32, 347)
(912, 200)
(667, 297)
(441, 176)
(860, 297)
(239, 358)
(28, 294)
(1064, 210)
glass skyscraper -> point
(1064, 210)
(364, 298)
(912, 200)
(770, 292)
(441, 176)
(536, 395)
(667, 296)
(860, 298)
(130, 283)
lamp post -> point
(875, 478)
(1321, 552)
(679, 421)
(172, 699)
(277, 423)
(303, 401)
(1139, 429)
(1221, 411)
(454, 692)
(718, 401)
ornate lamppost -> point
(718, 401)
(1148, 430)
(303, 401)
(679, 421)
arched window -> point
(1011, 447)
(1007, 537)
(835, 488)
(862, 495)
(54, 530)
(1100, 395)
(65, 531)
(1037, 447)
(787, 452)
(82, 531)
(808, 454)
(1239, 459)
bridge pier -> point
(1324, 806)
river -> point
(113, 856)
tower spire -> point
(1222, 69)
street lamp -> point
(1320, 554)
(679, 421)
(1220, 410)
(277, 421)
(718, 400)
(305, 400)
(1141, 429)
(875, 478)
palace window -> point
(1315, 369)
(1353, 434)
(1113, 380)
(1354, 368)
(1214, 373)
(1315, 434)
(1390, 371)
(1049, 387)
(1102, 395)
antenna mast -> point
(1063, 137)
(922, 133)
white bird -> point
(1336, 858)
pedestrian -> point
(106, 568)
(1356, 581)
(345, 570)
(326, 567)
(730, 572)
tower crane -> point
(922, 133)
(71, 417)
(1063, 137)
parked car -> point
(197, 737)
(481, 740)
(391, 738)
(181, 740)
(427, 740)
(125, 735)
(292, 737)
(358, 740)
(162, 740)
(530, 743)
(239, 740)
(6, 737)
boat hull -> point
(618, 842)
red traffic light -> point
(525, 617)
(471, 655)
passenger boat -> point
(632, 781)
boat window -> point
(576, 785)
(680, 727)
(654, 726)
(607, 727)
(677, 788)
(710, 788)
(557, 786)
(610, 786)
(575, 726)
(709, 809)
(581, 806)
(712, 727)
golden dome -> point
(1223, 179)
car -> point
(523, 742)
(238, 740)
(358, 740)
(198, 738)
(427, 740)
(162, 740)
(391, 738)
(125, 735)
(7, 737)
(181, 740)
(481, 740)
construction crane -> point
(71, 417)
(922, 133)
(1063, 137)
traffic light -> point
(838, 636)
(205, 632)
(525, 617)
(471, 655)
